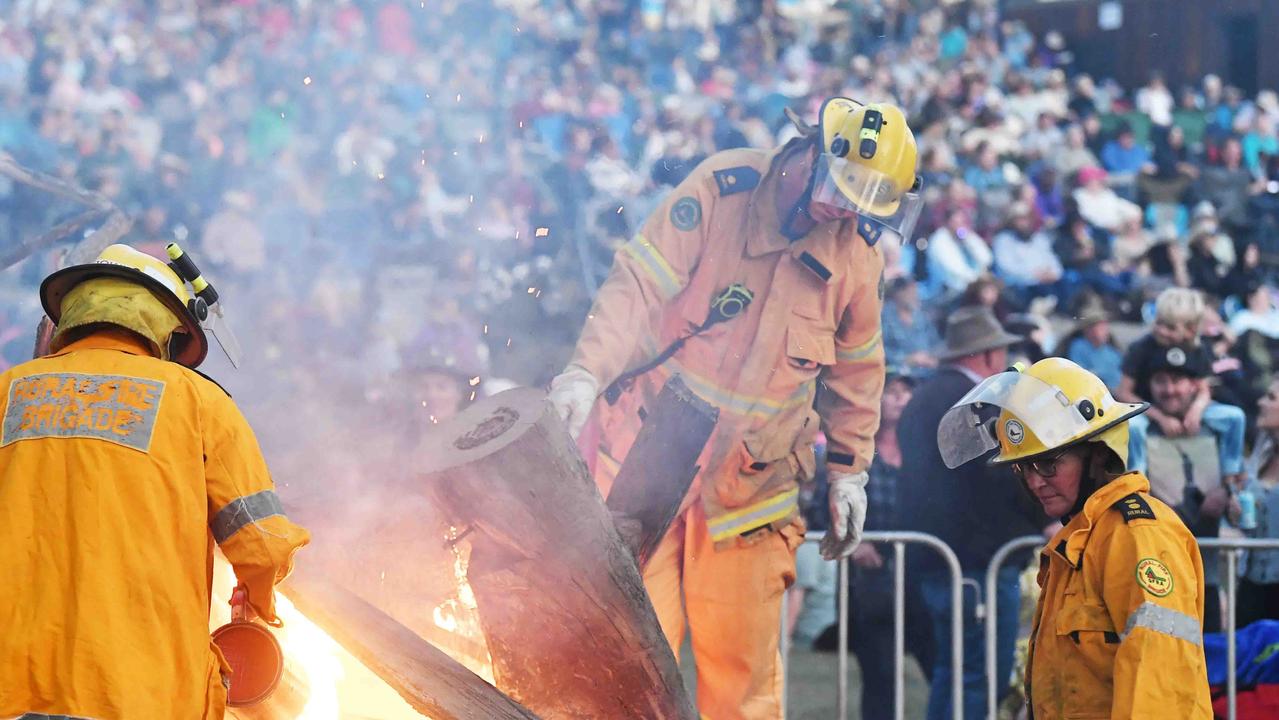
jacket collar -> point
(1070, 541)
(108, 339)
(764, 229)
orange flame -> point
(339, 684)
(459, 616)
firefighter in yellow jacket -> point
(1118, 629)
(759, 281)
(119, 467)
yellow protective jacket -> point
(814, 321)
(1118, 629)
(117, 472)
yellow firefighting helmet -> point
(866, 163)
(179, 337)
(1051, 406)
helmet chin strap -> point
(1087, 486)
(1094, 468)
(800, 208)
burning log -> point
(660, 467)
(429, 680)
(568, 623)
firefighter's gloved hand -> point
(847, 499)
(573, 393)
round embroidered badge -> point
(686, 213)
(1154, 577)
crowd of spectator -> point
(478, 162)
(407, 204)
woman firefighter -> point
(1117, 631)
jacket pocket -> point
(804, 351)
(807, 347)
(1089, 642)
(769, 459)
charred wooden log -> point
(568, 623)
(430, 681)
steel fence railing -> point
(898, 541)
(991, 611)
(1232, 547)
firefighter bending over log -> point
(120, 465)
(758, 281)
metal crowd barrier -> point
(991, 611)
(1231, 546)
(898, 541)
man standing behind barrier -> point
(119, 467)
(870, 630)
(1189, 472)
(1117, 631)
(759, 282)
(973, 509)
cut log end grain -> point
(568, 623)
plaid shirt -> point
(882, 496)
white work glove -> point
(573, 393)
(847, 499)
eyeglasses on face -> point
(1045, 467)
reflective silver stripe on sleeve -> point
(42, 716)
(242, 511)
(1160, 619)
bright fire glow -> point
(317, 654)
(459, 616)
(339, 686)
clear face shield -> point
(868, 192)
(968, 430)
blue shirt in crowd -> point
(903, 339)
(1105, 362)
(1118, 159)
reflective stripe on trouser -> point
(727, 526)
(754, 516)
(42, 716)
(732, 600)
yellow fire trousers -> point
(731, 602)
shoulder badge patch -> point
(1154, 577)
(1134, 507)
(686, 213)
(870, 231)
(736, 179)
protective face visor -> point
(872, 194)
(1029, 405)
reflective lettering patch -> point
(115, 408)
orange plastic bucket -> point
(256, 661)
